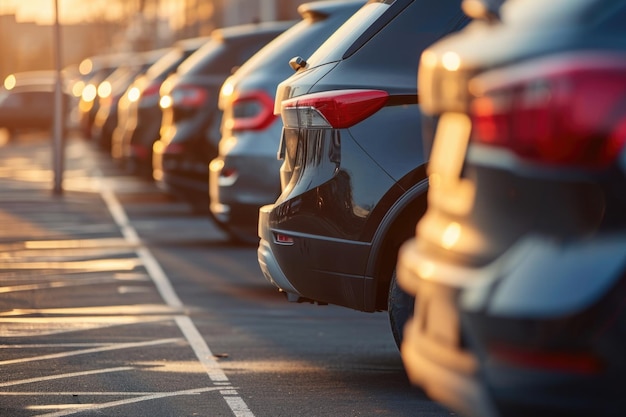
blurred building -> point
(148, 24)
(26, 46)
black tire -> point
(400, 309)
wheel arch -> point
(394, 229)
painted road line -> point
(153, 396)
(85, 312)
(162, 282)
(46, 326)
(193, 391)
(63, 376)
(117, 346)
(58, 284)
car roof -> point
(326, 7)
(249, 29)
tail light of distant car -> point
(150, 95)
(335, 109)
(568, 110)
(251, 110)
(188, 96)
(572, 361)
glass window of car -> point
(540, 12)
(11, 100)
(357, 30)
(166, 64)
(297, 38)
(197, 62)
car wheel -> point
(400, 309)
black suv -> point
(353, 174)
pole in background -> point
(58, 148)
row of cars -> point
(459, 164)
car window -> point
(540, 12)
(201, 58)
(350, 33)
(300, 39)
(165, 64)
(11, 100)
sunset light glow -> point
(77, 11)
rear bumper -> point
(461, 312)
(267, 261)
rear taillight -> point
(150, 95)
(551, 360)
(567, 111)
(174, 149)
(252, 110)
(189, 96)
(332, 109)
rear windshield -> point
(166, 64)
(202, 61)
(301, 40)
(171, 60)
(540, 12)
(357, 30)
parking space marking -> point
(85, 312)
(91, 265)
(45, 326)
(64, 376)
(165, 289)
(108, 347)
(192, 391)
(56, 284)
(100, 406)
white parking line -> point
(161, 281)
(90, 407)
(63, 376)
(114, 346)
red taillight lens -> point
(572, 362)
(560, 111)
(151, 90)
(252, 110)
(332, 109)
(190, 96)
(150, 95)
(174, 149)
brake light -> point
(566, 111)
(574, 362)
(252, 110)
(174, 149)
(332, 109)
(151, 90)
(190, 96)
(150, 95)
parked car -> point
(190, 124)
(27, 102)
(111, 90)
(353, 175)
(519, 264)
(95, 70)
(245, 174)
(138, 128)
